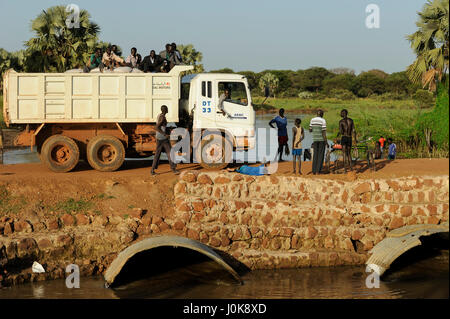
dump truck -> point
(103, 118)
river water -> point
(425, 279)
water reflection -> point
(20, 156)
(311, 283)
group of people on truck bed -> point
(162, 62)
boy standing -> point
(392, 149)
(299, 135)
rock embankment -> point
(276, 221)
(264, 222)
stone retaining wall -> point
(271, 222)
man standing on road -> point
(281, 122)
(347, 131)
(162, 141)
(318, 128)
(392, 152)
(382, 141)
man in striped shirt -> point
(318, 128)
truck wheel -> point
(216, 152)
(105, 153)
(60, 153)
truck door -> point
(205, 106)
(236, 105)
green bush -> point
(436, 123)
(306, 95)
(392, 96)
(290, 92)
(364, 92)
(341, 94)
(423, 98)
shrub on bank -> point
(433, 128)
(342, 94)
(306, 95)
(392, 96)
(424, 98)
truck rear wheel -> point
(105, 153)
(216, 152)
(60, 153)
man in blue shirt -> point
(392, 149)
(281, 123)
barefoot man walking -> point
(347, 131)
(162, 141)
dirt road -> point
(141, 170)
(32, 187)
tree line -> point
(319, 82)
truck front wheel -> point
(105, 153)
(216, 152)
(60, 153)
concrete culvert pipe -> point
(398, 242)
(144, 258)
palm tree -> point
(56, 47)
(10, 60)
(191, 57)
(269, 80)
(431, 44)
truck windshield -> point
(238, 92)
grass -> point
(291, 104)
(71, 205)
(373, 118)
(10, 204)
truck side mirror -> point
(266, 91)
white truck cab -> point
(239, 118)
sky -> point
(244, 35)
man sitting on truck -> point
(133, 60)
(95, 61)
(111, 60)
(165, 55)
(162, 141)
(176, 56)
(151, 63)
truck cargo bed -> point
(90, 97)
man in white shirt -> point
(132, 60)
(318, 128)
